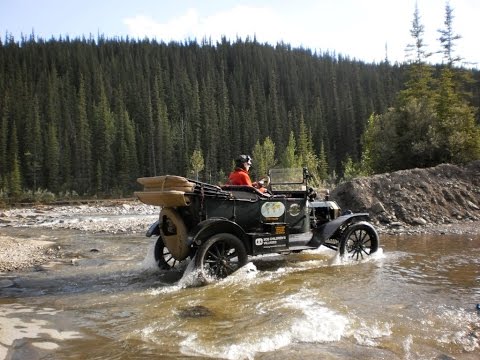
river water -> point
(414, 299)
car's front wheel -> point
(359, 240)
(219, 256)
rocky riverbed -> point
(440, 200)
(131, 216)
(126, 217)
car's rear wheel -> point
(163, 257)
(359, 241)
(219, 256)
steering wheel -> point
(264, 181)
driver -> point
(240, 175)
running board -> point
(300, 248)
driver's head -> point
(243, 161)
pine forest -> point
(89, 116)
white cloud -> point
(178, 28)
(361, 32)
(319, 28)
(240, 21)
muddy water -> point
(416, 299)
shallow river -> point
(415, 299)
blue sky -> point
(361, 29)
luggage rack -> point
(173, 191)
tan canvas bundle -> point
(165, 191)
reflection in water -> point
(415, 299)
(20, 322)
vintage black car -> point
(218, 227)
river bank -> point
(16, 254)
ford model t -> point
(219, 227)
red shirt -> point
(239, 177)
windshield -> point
(287, 179)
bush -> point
(41, 195)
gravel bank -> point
(129, 217)
(442, 198)
(20, 254)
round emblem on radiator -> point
(294, 209)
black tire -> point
(163, 257)
(360, 239)
(219, 256)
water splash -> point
(367, 334)
(339, 260)
(191, 276)
(457, 326)
(310, 321)
(149, 262)
(407, 347)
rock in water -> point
(197, 311)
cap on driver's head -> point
(243, 159)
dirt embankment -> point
(444, 198)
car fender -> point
(327, 230)
(154, 229)
(211, 226)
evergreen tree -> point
(127, 164)
(83, 152)
(263, 157)
(276, 122)
(306, 157)
(15, 176)
(420, 80)
(3, 142)
(34, 148)
(163, 134)
(210, 131)
(52, 158)
(456, 135)
(431, 124)
(151, 163)
(288, 157)
(349, 169)
(223, 103)
(418, 50)
(303, 141)
(322, 164)
(53, 123)
(448, 38)
(67, 134)
(378, 153)
(15, 179)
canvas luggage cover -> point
(166, 190)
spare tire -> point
(174, 233)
